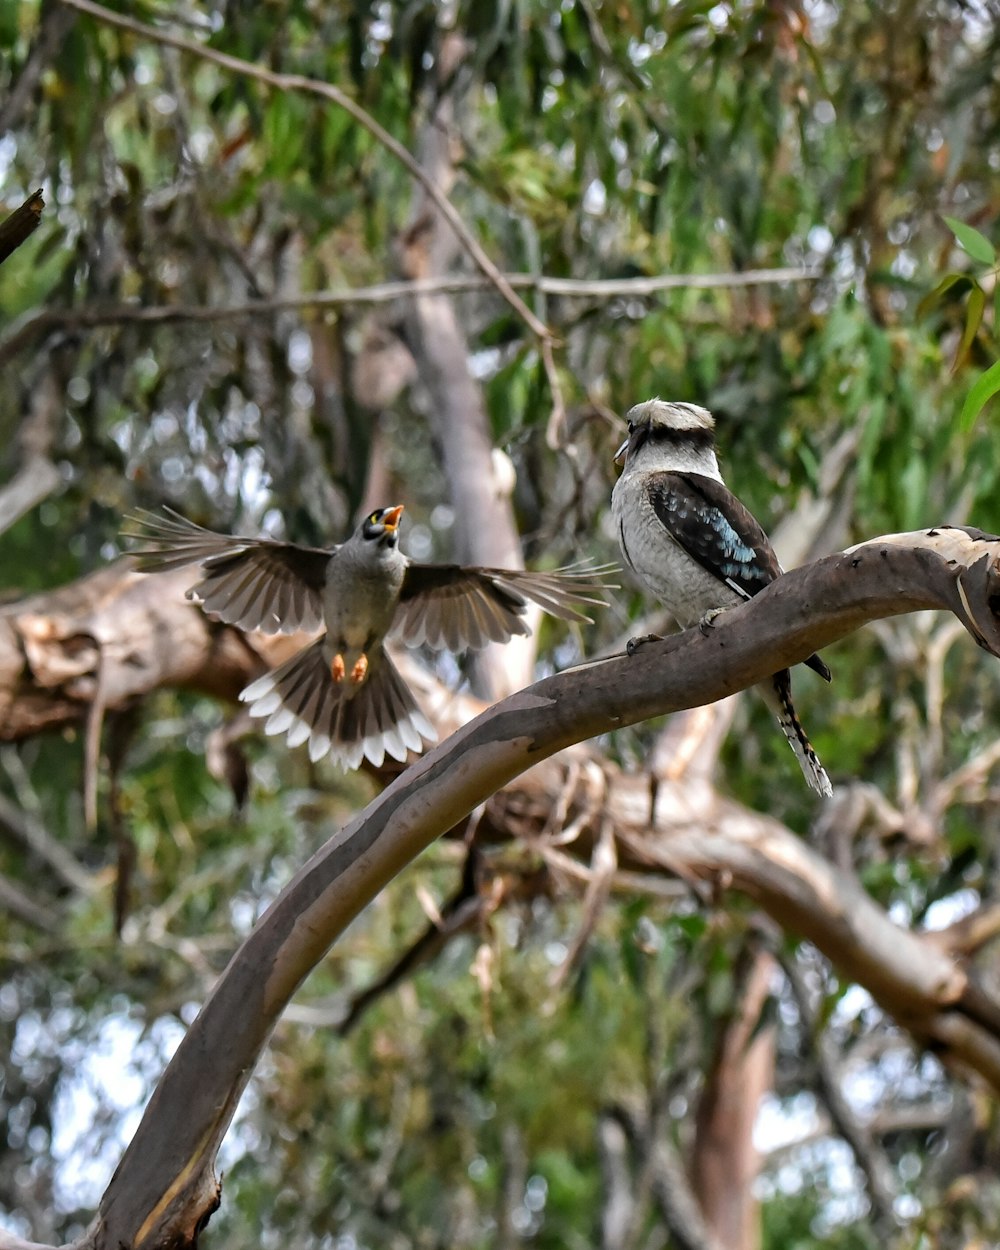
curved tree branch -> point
(190, 1111)
(165, 1187)
(869, 1155)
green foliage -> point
(593, 142)
(974, 331)
(976, 244)
(981, 392)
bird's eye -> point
(631, 428)
(373, 519)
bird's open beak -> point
(620, 453)
(390, 518)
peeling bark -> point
(126, 632)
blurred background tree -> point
(188, 326)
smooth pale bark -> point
(485, 528)
(724, 1161)
(165, 1187)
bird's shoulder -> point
(701, 498)
(713, 525)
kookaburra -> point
(342, 693)
(692, 542)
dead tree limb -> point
(21, 223)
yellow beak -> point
(391, 517)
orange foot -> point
(337, 668)
(360, 670)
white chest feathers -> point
(676, 579)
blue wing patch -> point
(707, 520)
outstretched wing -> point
(253, 583)
(707, 520)
(447, 605)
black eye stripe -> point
(666, 436)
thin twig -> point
(555, 433)
(17, 902)
(312, 86)
(33, 482)
(24, 829)
(25, 333)
(603, 865)
(868, 1152)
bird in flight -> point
(342, 693)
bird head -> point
(659, 423)
(382, 526)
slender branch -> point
(890, 1122)
(657, 1174)
(327, 91)
(971, 933)
(464, 911)
(618, 1204)
(25, 830)
(14, 900)
(676, 1201)
(53, 26)
(31, 327)
(11, 1241)
(35, 481)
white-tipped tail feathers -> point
(344, 721)
(778, 696)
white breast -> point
(679, 582)
(362, 590)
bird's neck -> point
(679, 457)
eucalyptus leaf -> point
(979, 396)
(977, 245)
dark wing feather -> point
(454, 607)
(254, 583)
(705, 518)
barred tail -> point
(778, 696)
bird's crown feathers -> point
(658, 414)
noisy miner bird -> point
(343, 693)
(692, 542)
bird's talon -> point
(360, 670)
(707, 621)
(338, 668)
(633, 644)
